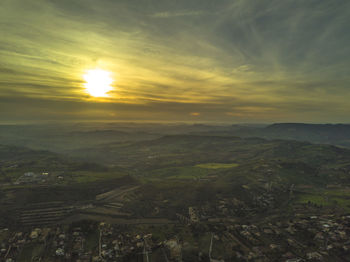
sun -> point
(98, 82)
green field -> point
(187, 172)
(334, 197)
(216, 165)
(88, 176)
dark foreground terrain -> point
(126, 192)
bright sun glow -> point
(98, 82)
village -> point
(304, 237)
(40, 178)
(110, 228)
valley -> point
(248, 199)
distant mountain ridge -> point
(338, 134)
(311, 127)
(40, 160)
(334, 134)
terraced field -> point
(47, 213)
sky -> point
(176, 60)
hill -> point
(335, 134)
(338, 134)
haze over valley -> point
(176, 131)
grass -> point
(4, 235)
(216, 165)
(312, 198)
(173, 172)
(184, 172)
(86, 176)
(30, 251)
(92, 240)
(336, 197)
(188, 172)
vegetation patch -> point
(31, 251)
(88, 176)
(186, 172)
(216, 165)
(326, 198)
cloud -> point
(222, 59)
(177, 14)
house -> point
(314, 255)
(59, 252)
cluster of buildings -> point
(38, 178)
(31, 177)
(115, 243)
(223, 209)
(44, 243)
(103, 242)
(304, 238)
(278, 237)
